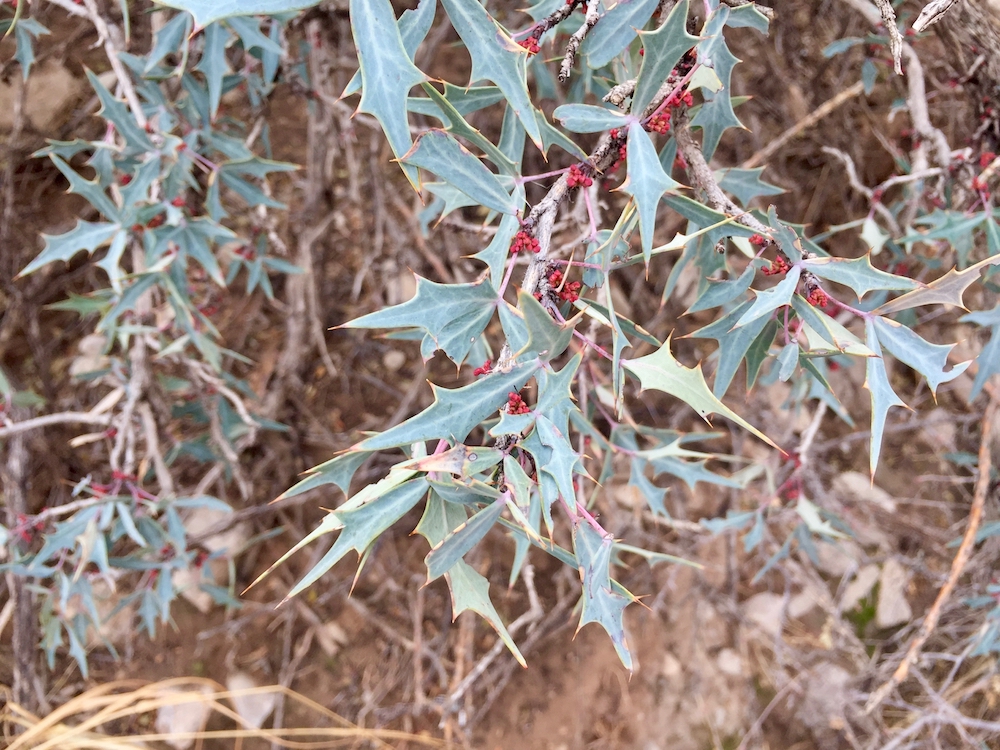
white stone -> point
(182, 716)
(859, 588)
(892, 608)
(764, 611)
(252, 706)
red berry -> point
(125, 180)
(778, 266)
(570, 291)
(530, 44)
(817, 298)
(758, 240)
(515, 404)
(484, 370)
(985, 158)
(659, 123)
(178, 202)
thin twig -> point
(573, 46)
(932, 13)
(63, 417)
(957, 565)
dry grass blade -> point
(76, 724)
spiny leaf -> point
(413, 27)
(769, 300)
(601, 603)
(90, 189)
(114, 111)
(746, 184)
(663, 49)
(84, 236)
(662, 372)
(461, 460)
(946, 290)
(338, 471)
(926, 358)
(496, 253)
(586, 118)
(829, 330)
(363, 525)
(734, 343)
(460, 540)
(716, 115)
(858, 274)
(882, 396)
(213, 64)
(495, 57)
(455, 413)
(547, 339)
(720, 292)
(646, 183)
(458, 126)
(618, 28)
(386, 72)
(989, 358)
(469, 590)
(207, 11)
(452, 316)
(438, 152)
(563, 462)
(555, 394)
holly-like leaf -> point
(495, 57)
(618, 28)
(769, 300)
(660, 371)
(455, 413)
(413, 27)
(818, 325)
(213, 64)
(720, 292)
(946, 290)
(734, 343)
(586, 118)
(746, 184)
(387, 73)
(458, 126)
(451, 316)
(858, 274)
(882, 396)
(547, 339)
(438, 152)
(114, 111)
(338, 471)
(747, 16)
(207, 11)
(716, 115)
(460, 540)
(89, 189)
(989, 358)
(926, 358)
(654, 495)
(84, 236)
(555, 395)
(25, 32)
(496, 253)
(956, 227)
(646, 183)
(461, 460)
(363, 525)
(469, 590)
(663, 49)
(563, 462)
(601, 603)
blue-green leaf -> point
(617, 29)
(207, 11)
(926, 358)
(495, 57)
(716, 115)
(338, 471)
(89, 189)
(769, 300)
(455, 413)
(663, 49)
(387, 73)
(84, 236)
(989, 358)
(646, 183)
(746, 184)
(438, 152)
(858, 274)
(601, 603)
(459, 541)
(586, 118)
(734, 343)
(213, 64)
(882, 396)
(662, 372)
(452, 316)
(363, 525)
(413, 27)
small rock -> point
(183, 717)
(252, 706)
(859, 588)
(764, 611)
(393, 359)
(892, 608)
(836, 559)
(331, 638)
(826, 695)
(804, 602)
(730, 662)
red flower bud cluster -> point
(818, 298)
(568, 291)
(758, 239)
(778, 266)
(484, 370)
(524, 242)
(515, 404)
(659, 123)
(577, 178)
(530, 44)
(985, 158)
